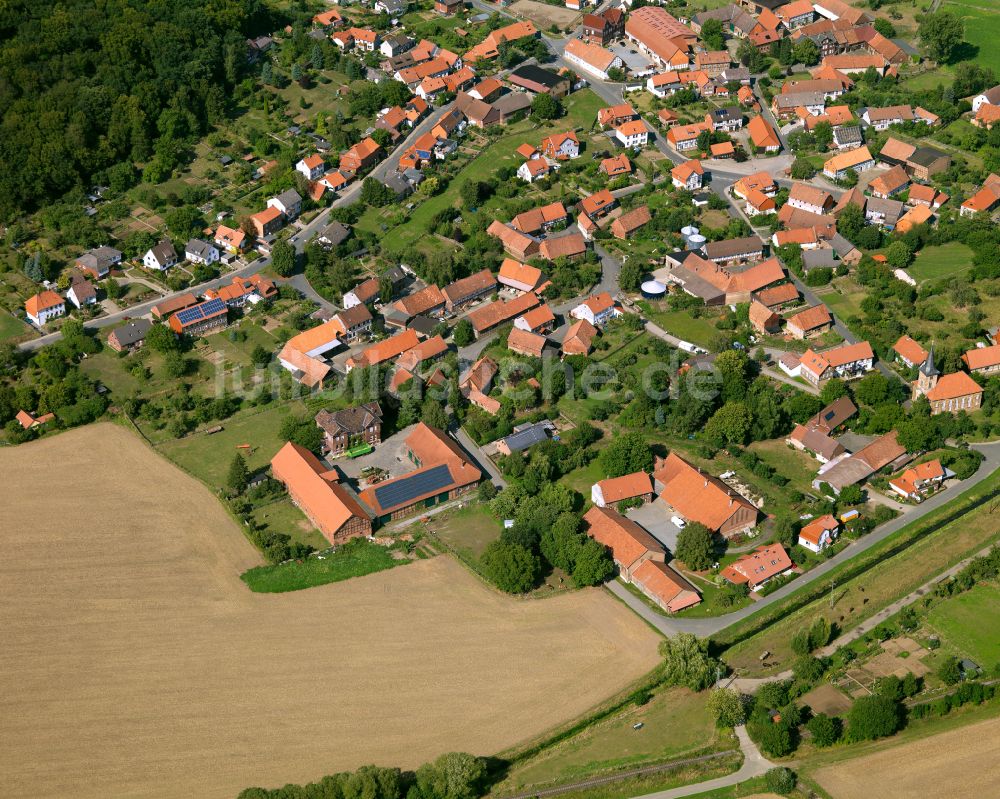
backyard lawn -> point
(797, 466)
(283, 516)
(208, 457)
(11, 327)
(971, 623)
(946, 260)
(683, 324)
(468, 530)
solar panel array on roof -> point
(406, 489)
(523, 439)
(200, 311)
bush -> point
(872, 717)
(825, 731)
(780, 780)
(511, 567)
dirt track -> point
(134, 662)
(959, 763)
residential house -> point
(98, 261)
(44, 306)
(787, 105)
(712, 62)
(304, 353)
(758, 180)
(311, 166)
(200, 252)
(664, 84)
(597, 309)
(538, 320)
(489, 47)
(839, 165)
(682, 138)
(697, 496)
(809, 198)
(331, 507)
(883, 118)
(289, 202)
(518, 276)
(429, 301)
(201, 318)
(846, 361)
(479, 114)
(909, 353)
(748, 249)
(352, 322)
(229, 239)
(725, 119)
(161, 256)
(819, 533)
(918, 481)
(427, 351)
(985, 200)
(983, 360)
(540, 220)
(129, 337)
(688, 175)
(883, 212)
(633, 134)
(267, 222)
(889, 183)
(364, 293)
(561, 146)
(986, 97)
(178, 302)
(759, 567)
(603, 28)
(361, 156)
(81, 292)
(796, 14)
(758, 203)
(347, 428)
(616, 166)
(535, 169)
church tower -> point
(927, 376)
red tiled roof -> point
(627, 540)
(696, 495)
(615, 489)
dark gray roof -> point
(847, 134)
(528, 437)
(927, 367)
(350, 420)
(164, 251)
(199, 248)
(925, 156)
(289, 198)
(397, 184)
(133, 332)
(730, 248)
(811, 259)
(840, 245)
(725, 114)
(536, 74)
(334, 233)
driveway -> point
(655, 517)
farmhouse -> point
(883, 451)
(810, 322)
(630, 545)
(496, 313)
(383, 351)
(514, 242)
(763, 319)
(350, 427)
(688, 175)
(699, 497)
(763, 564)
(660, 36)
(857, 160)
(592, 58)
(628, 223)
(579, 338)
(331, 507)
(517, 276)
(469, 289)
(637, 485)
(983, 360)
(597, 309)
(763, 135)
(537, 320)
(664, 586)
(809, 198)
(443, 472)
(541, 219)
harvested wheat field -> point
(961, 762)
(135, 662)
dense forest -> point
(89, 87)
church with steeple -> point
(948, 393)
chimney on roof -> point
(706, 483)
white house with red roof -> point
(819, 533)
(597, 309)
(44, 306)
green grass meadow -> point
(971, 622)
(354, 559)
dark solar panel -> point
(412, 486)
(201, 311)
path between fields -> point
(709, 626)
